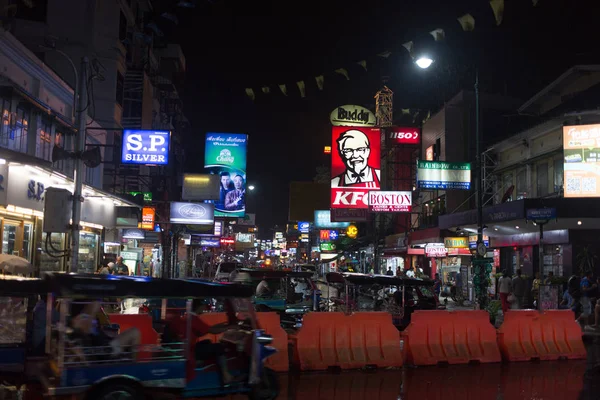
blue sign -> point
(473, 245)
(145, 147)
(323, 220)
(333, 235)
(303, 227)
(541, 214)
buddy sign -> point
(145, 147)
(352, 116)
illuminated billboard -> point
(191, 213)
(390, 201)
(225, 155)
(323, 220)
(443, 175)
(404, 135)
(355, 165)
(582, 159)
(145, 147)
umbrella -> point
(15, 265)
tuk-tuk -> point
(18, 297)
(396, 295)
(95, 371)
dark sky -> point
(231, 45)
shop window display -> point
(88, 252)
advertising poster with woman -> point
(225, 155)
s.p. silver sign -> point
(146, 147)
(350, 115)
(192, 213)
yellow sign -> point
(327, 150)
(352, 231)
(456, 243)
(473, 238)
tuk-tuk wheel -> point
(268, 388)
(116, 391)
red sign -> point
(148, 214)
(349, 215)
(390, 201)
(436, 250)
(405, 135)
(227, 240)
(355, 165)
(324, 235)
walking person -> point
(518, 286)
(505, 289)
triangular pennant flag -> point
(302, 88)
(467, 22)
(409, 47)
(405, 111)
(320, 80)
(535, 2)
(250, 93)
(283, 89)
(342, 71)
(498, 9)
(266, 89)
(385, 54)
(438, 34)
(427, 117)
(363, 63)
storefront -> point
(394, 254)
(22, 189)
(458, 257)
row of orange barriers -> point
(368, 339)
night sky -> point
(231, 45)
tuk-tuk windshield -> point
(426, 291)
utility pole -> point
(478, 172)
(78, 170)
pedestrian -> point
(437, 285)
(535, 288)
(505, 288)
(586, 305)
(389, 272)
(549, 278)
(519, 285)
(120, 267)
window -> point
(507, 183)
(43, 147)
(66, 142)
(18, 130)
(5, 129)
(120, 87)
(522, 184)
(558, 175)
(122, 27)
(542, 179)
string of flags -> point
(466, 22)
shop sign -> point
(443, 175)
(146, 147)
(245, 237)
(147, 196)
(324, 234)
(192, 213)
(327, 150)
(430, 153)
(436, 250)
(349, 215)
(303, 227)
(227, 241)
(200, 187)
(133, 234)
(129, 255)
(323, 220)
(541, 215)
(473, 241)
(581, 145)
(210, 242)
(247, 220)
(328, 247)
(352, 232)
(304, 238)
(456, 243)
(350, 115)
(225, 154)
(405, 135)
(390, 201)
(355, 165)
(148, 215)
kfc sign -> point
(145, 147)
(405, 135)
(355, 166)
(390, 201)
(436, 250)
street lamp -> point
(424, 62)
(251, 187)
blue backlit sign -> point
(333, 235)
(146, 147)
(304, 227)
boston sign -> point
(390, 201)
(349, 115)
(145, 147)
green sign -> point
(327, 246)
(147, 196)
(441, 175)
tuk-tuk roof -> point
(21, 286)
(85, 285)
(385, 280)
(275, 273)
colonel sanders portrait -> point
(355, 149)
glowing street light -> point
(251, 187)
(424, 62)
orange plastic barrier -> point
(453, 337)
(528, 334)
(141, 321)
(270, 322)
(335, 340)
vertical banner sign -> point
(582, 157)
(225, 155)
(148, 214)
(355, 165)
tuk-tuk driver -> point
(263, 289)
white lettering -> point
(156, 140)
(161, 159)
(134, 142)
